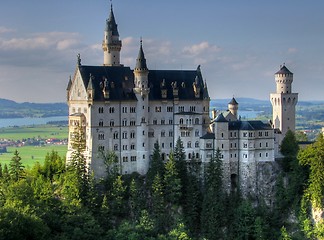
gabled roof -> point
(249, 125)
(283, 70)
(120, 82)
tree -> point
(213, 199)
(158, 203)
(289, 148)
(172, 183)
(284, 234)
(117, 197)
(53, 165)
(5, 174)
(16, 168)
(156, 165)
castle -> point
(127, 111)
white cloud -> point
(292, 50)
(6, 30)
(200, 48)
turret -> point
(284, 79)
(111, 44)
(233, 107)
(141, 74)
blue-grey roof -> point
(120, 82)
(141, 61)
(249, 125)
(220, 118)
(208, 136)
(283, 70)
(233, 102)
(111, 25)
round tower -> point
(284, 102)
(111, 44)
(233, 107)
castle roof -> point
(233, 102)
(220, 118)
(141, 61)
(120, 83)
(208, 136)
(111, 24)
(249, 125)
(283, 70)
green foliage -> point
(16, 168)
(172, 183)
(289, 148)
(158, 204)
(156, 165)
(53, 165)
(284, 234)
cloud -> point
(292, 50)
(200, 48)
(6, 30)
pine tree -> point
(5, 174)
(181, 166)
(158, 204)
(117, 197)
(172, 183)
(156, 165)
(16, 168)
(213, 200)
(0, 171)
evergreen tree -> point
(289, 148)
(172, 184)
(0, 171)
(117, 197)
(16, 168)
(158, 204)
(213, 200)
(136, 200)
(5, 174)
(53, 165)
(193, 198)
(156, 165)
(284, 234)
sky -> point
(239, 44)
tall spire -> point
(111, 44)
(141, 61)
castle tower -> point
(111, 44)
(284, 101)
(233, 107)
(141, 91)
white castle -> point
(127, 111)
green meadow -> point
(35, 131)
(32, 154)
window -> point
(101, 148)
(170, 133)
(197, 133)
(111, 110)
(222, 146)
(250, 134)
(132, 134)
(132, 123)
(124, 123)
(162, 121)
(170, 145)
(158, 109)
(162, 145)
(101, 123)
(162, 133)
(260, 144)
(197, 144)
(181, 121)
(133, 158)
(115, 135)
(115, 147)
(132, 109)
(196, 120)
(192, 108)
(143, 133)
(266, 154)
(124, 109)
(231, 134)
(260, 154)
(245, 145)
(143, 120)
(124, 135)
(189, 145)
(245, 155)
(266, 144)
(209, 145)
(170, 121)
(124, 147)
(143, 156)
(132, 146)
(169, 109)
(151, 133)
(222, 135)
(101, 136)
(260, 134)
(125, 159)
(266, 134)
(112, 123)
(100, 110)
(181, 108)
(154, 121)
(245, 134)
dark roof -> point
(119, 81)
(233, 102)
(249, 125)
(208, 136)
(111, 23)
(220, 118)
(141, 61)
(283, 70)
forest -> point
(174, 200)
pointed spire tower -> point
(284, 101)
(141, 74)
(233, 107)
(111, 44)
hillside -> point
(12, 109)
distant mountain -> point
(12, 109)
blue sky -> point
(239, 44)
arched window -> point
(197, 144)
(196, 120)
(181, 120)
(115, 135)
(100, 123)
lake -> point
(10, 122)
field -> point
(36, 131)
(31, 154)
